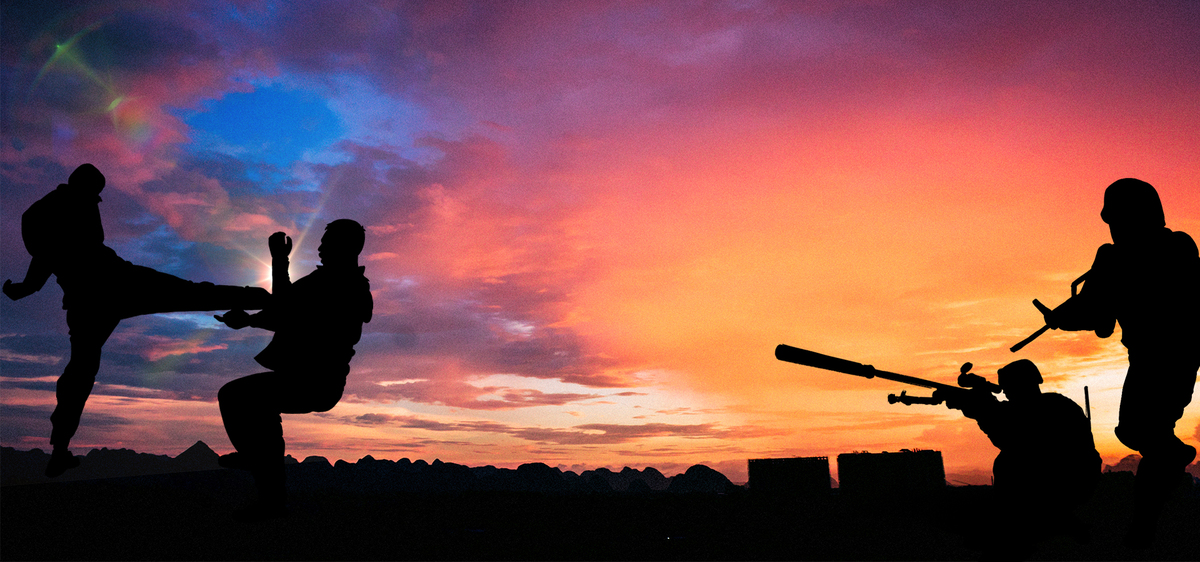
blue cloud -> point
(270, 124)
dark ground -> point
(187, 516)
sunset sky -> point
(590, 223)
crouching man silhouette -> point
(316, 320)
(1047, 467)
(65, 238)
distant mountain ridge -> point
(26, 467)
(1130, 464)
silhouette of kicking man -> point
(316, 320)
(65, 238)
(1148, 279)
(1047, 466)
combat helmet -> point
(1132, 202)
(1018, 373)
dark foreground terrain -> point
(187, 516)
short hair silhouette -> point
(346, 236)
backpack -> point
(38, 230)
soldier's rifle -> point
(1045, 310)
(967, 381)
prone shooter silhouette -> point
(64, 235)
(1148, 279)
(317, 321)
(1047, 466)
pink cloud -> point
(166, 347)
(459, 394)
(587, 434)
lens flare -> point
(131, 116)
(66, 58)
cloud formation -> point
(585, 434)
(618, 207)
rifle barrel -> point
(1045, 310)
(1026, 341)
(821, 361)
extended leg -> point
(148, 291)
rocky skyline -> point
(25, 467)
(374, 509)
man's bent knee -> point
(250, 389)
(230, 393)
(1129, 438)
(1147, 440)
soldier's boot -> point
(1157, 474)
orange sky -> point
(589, 228)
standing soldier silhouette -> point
(65, 238)
(1148, 279)
(1047, 466)
(317, 321)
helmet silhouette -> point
(1132, 202)
(1018, 373)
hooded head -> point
(86, 179)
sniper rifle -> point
(967, 381)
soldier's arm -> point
(977, 404)
(35, 278)
(1090, 309)
(992, 420)
(1188, 252)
